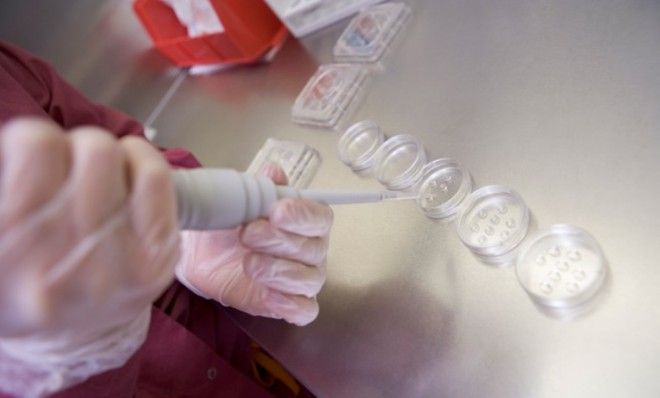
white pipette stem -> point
(343, 197)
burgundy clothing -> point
(193, 348)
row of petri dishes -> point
(559, 267)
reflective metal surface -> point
(98, 46)
(558, 100)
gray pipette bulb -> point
(223, 198)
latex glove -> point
(272, 268)
(88, 239)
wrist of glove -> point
(272, 267)
(44, 363)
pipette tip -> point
(394, 195)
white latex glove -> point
(272, 268)
(88, 239)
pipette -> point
(223, 198)
(343, 197)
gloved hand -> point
(88, 239)
(272, 268)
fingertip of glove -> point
(275, 173)
(306, 319)
(297, 310)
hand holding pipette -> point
(223, 198)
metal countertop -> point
(558, 100)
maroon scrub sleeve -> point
(30, 87)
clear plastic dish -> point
(329, 94)
(562, 266)
(443, 187)
(359, 144)
(399, 162)
(370, 33)
(299, 161)
(492, 221)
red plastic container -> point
(251, 30)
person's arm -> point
(284, 245)
(33, 88)
(204, 248)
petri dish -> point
(359, 144)
(561, 267)
(325, 90)
(443, 187)
(399, 162)
(491, 222)
(330, 95)
(299, 161)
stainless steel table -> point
(559, 100)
